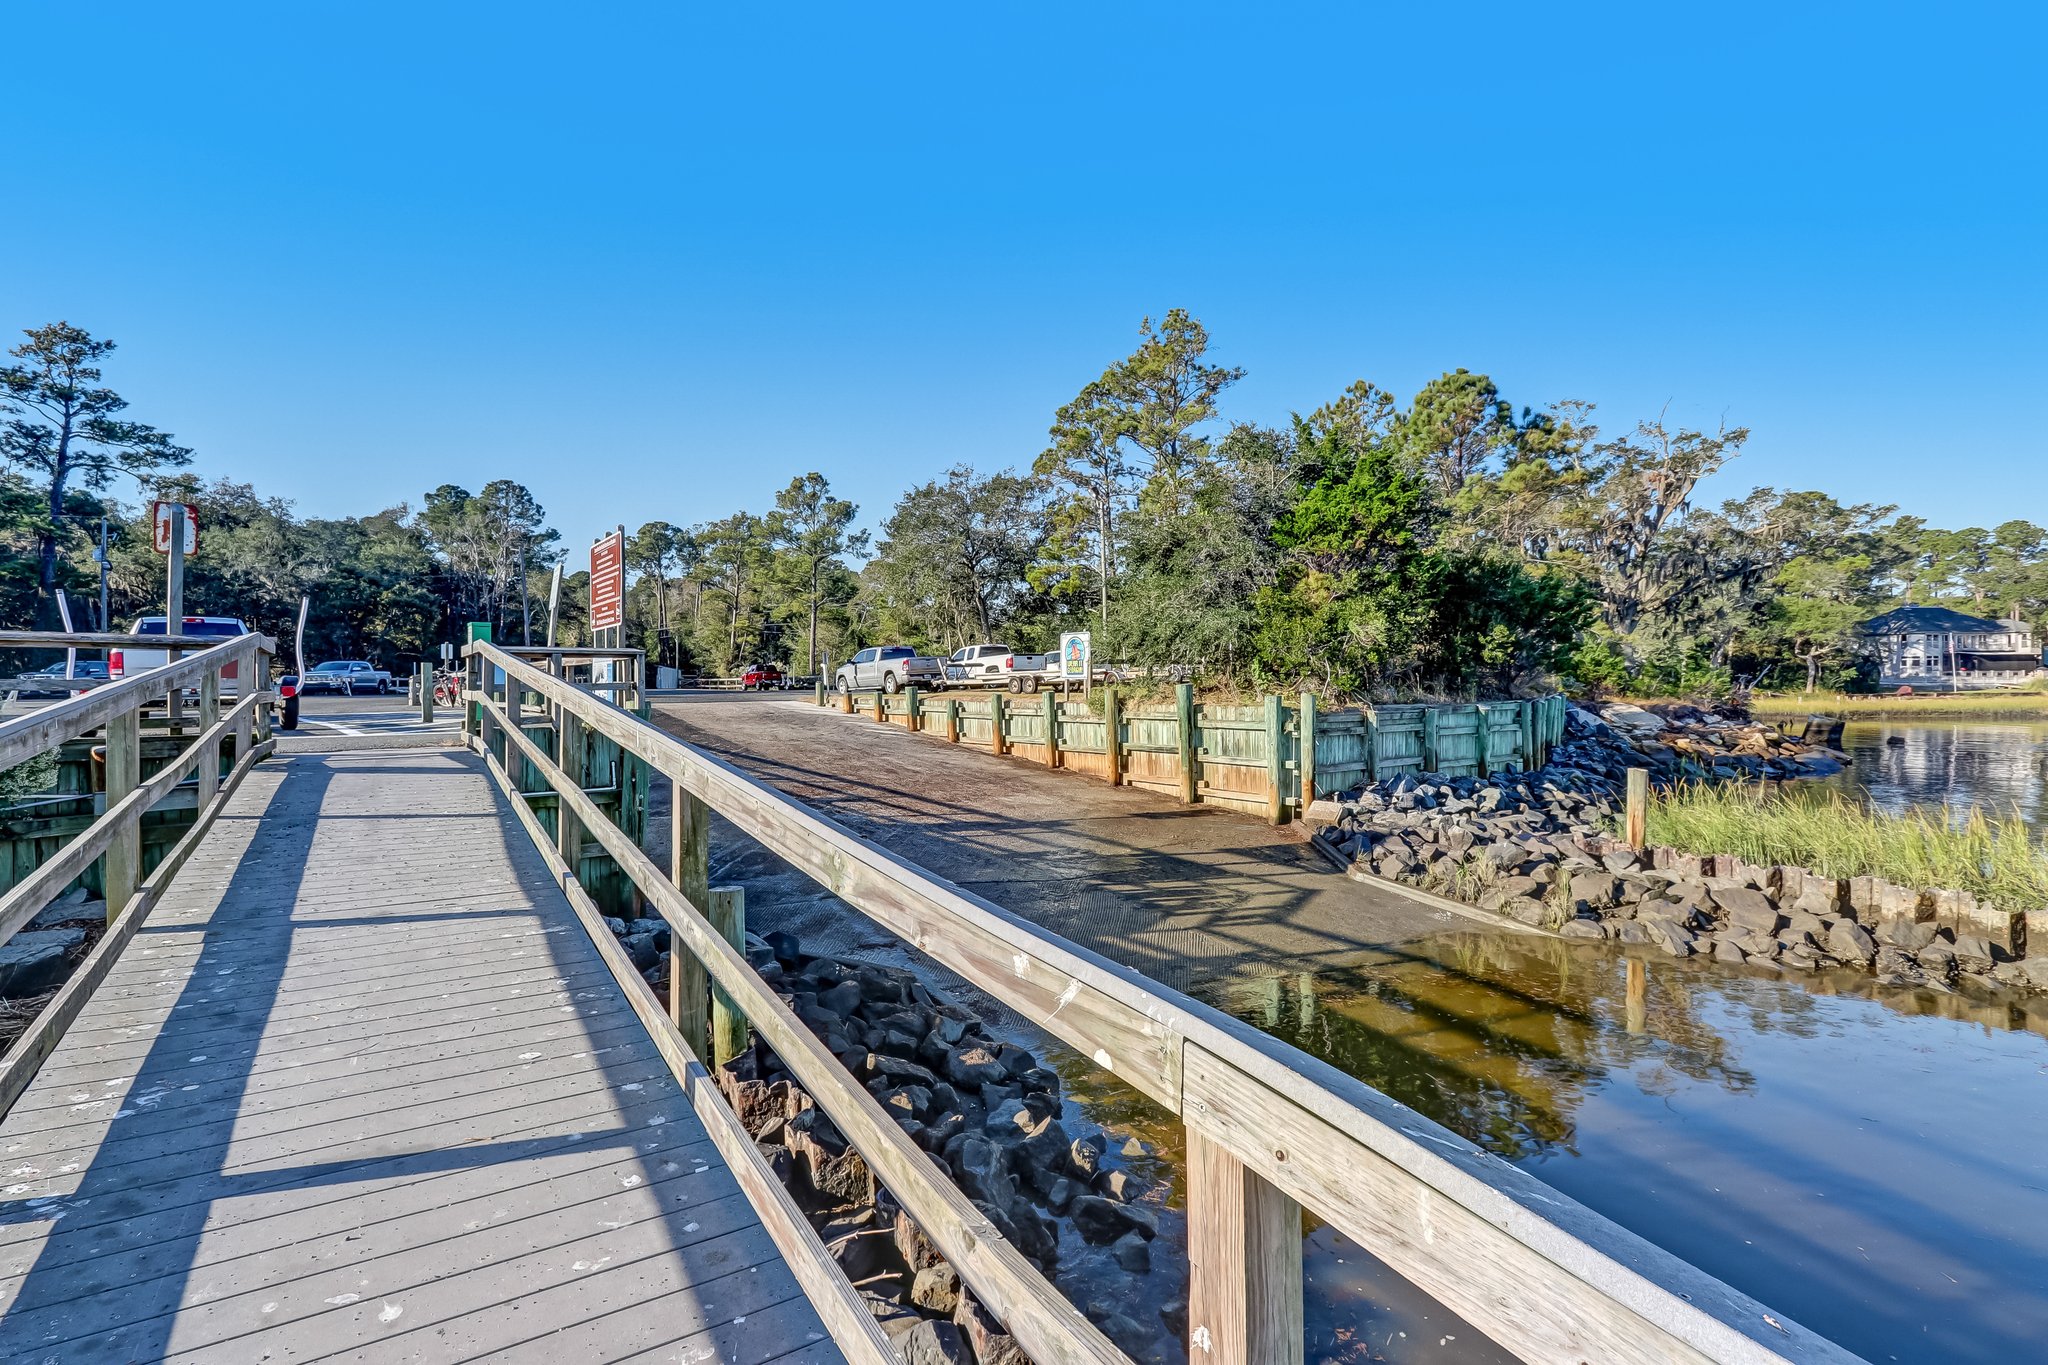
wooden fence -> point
(1271, 759)
(1270, 1131)
(213, 750)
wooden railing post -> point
(689, 845)
(1432, 746)
(1484, 747)
(209, 758)
(952, 720)
(1369, 742)
(1244, 1262)
(1307, 757)
(728, 915)
(995, 722)
(1276, 760)
(1184, 729)
(1638, 809)
(569, 758)
(910, 705)
(261, 683)
(1112, 735)
(1052, 730)
(121, 868)
(846, 703)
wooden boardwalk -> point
(361, 1089)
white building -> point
(1935, 647)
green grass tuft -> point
(1996, 858)
(2028, 703)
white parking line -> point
(330, 725)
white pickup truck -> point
(126, 663)
(1001, 666)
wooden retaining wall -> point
(1244, 758)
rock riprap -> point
(1538, 848)
(985, 1110)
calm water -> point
(1873, 1164)
(2001, 768)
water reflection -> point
(2000, 768)
(1872, 1173)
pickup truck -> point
(889, 667)
(126, 663)
(1001, 666)
(347, 676)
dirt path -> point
(1183, 894)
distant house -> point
(1936, 647)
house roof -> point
(1929, 621)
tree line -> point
(1453, 545)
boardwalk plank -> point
(361, 1089)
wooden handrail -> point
(71, 639)
(1268, 1125)
(115, 835)
(26, 736)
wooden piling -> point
(911, 720)
(1184, 731)
(1052, 730)
(728, 915)
(995, 723)
(689, 843)
(1112, 735)
(1276, 760)
(952, 720)
(1638, 831)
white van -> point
(122, 663)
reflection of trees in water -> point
(1497, 1038)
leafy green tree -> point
(811, 534)
(734, 571)
(954, 560)
(1455, 427)
(1131, 443)
(1355, 584)
(661, 553)
(62, 426)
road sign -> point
(608, 582)
(1074, 656)
(164, 515)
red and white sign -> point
(164, 515)
(608, 582)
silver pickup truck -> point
(889, 667)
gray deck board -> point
(362, 1090)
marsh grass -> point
(2028, 703)
(1994, 857)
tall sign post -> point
(175, 533)
(608, 597)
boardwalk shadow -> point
(242, 948)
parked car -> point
(50, 682)
(889, 667)
(126, 663)
(761, 677)
(1001, 666)
(347, 676)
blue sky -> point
(654, 260)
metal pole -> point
(554, 601)
(70, 653)
(299, 636)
